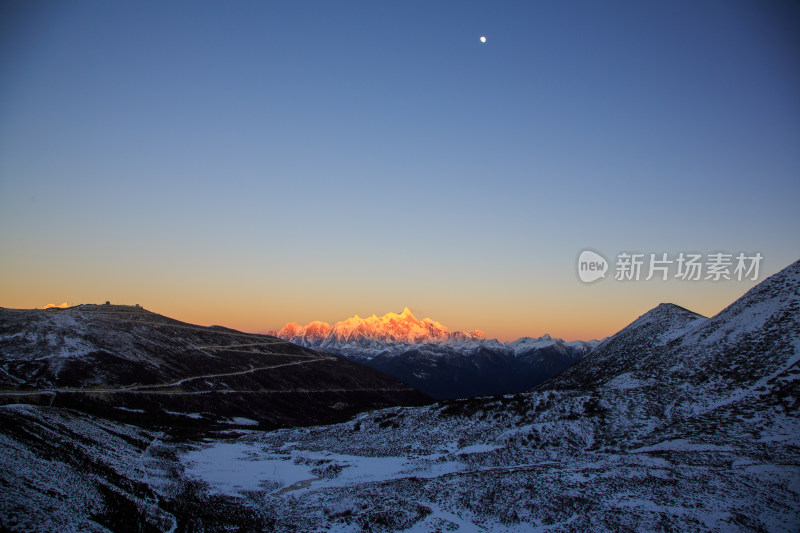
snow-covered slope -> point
(613, 356)
(671, 364)
(63, 470)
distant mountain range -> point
(442, 364)
(374, 331)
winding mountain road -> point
(148, 388)
(153, 388)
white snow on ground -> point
(624, 381)
(130, 410)
(440, 519)
(233, 467)
(195, 416)
(478, 448)
(242, 421)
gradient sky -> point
(254, 163)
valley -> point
(677, 422)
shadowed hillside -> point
(129, 364)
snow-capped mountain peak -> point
(393, 333)
(389, 328)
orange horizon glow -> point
(495, 328)
(60, 306)
(563, 309)
(582, 323)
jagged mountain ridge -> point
(403, 328)
(394, 333)
(427, 356)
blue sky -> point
(251, 163)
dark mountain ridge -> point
(444, 373)
(130, 364)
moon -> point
(483, 39)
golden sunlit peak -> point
(62, 306)
(477, 334)
(390, 327)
